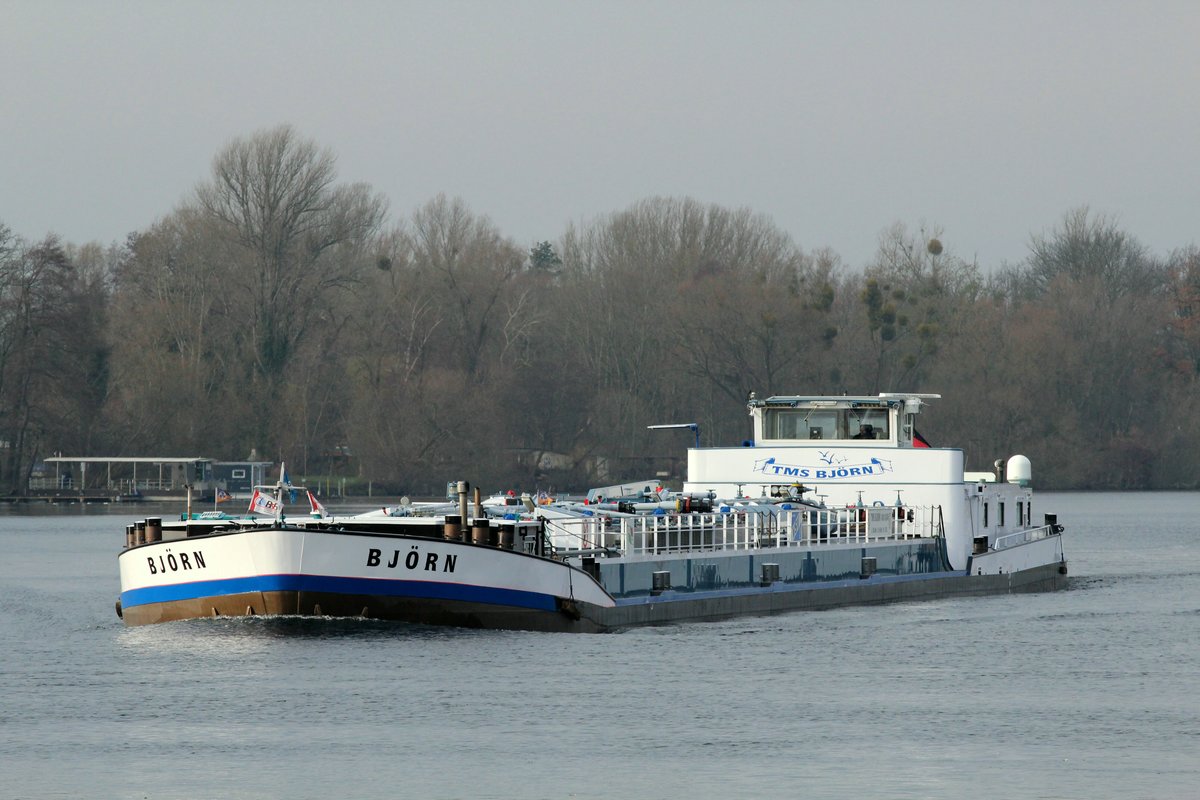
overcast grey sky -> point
(835, 119)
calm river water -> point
(1089, 693)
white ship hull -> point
(296, 571)
(311, 572)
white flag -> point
(262, 504)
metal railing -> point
(739, 530)
(1024, 537)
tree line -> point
(279, 312)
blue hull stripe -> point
(376, 587)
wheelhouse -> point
(886, 419)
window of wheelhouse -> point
(803, 423)
(825, 423)
(867, 423)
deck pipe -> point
(463, 488)
(479, 523)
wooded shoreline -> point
(279, 312)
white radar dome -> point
(1019, 470)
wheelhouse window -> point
(868, 423)
(802, 423)
(825, 423)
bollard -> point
(660, 582)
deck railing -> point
(1022, 537)
(740, 529)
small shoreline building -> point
(128, 479)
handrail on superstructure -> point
(1022, 537)
(739, 530)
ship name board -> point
(412, 560)
(171, 562)
(834, 467)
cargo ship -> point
(834, 501)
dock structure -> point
(134, 478)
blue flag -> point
(287, 481)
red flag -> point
(918, 439)
(318, 510)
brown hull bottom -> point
(423, 611)
(670, 607)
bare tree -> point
(473, 266)
(1086, 246)
(680, 308)
(911, 296)
(176, 337)
(296, 236)
(47, 330)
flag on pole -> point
(262, 504)
(318, 510)
(223, 495)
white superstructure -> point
(863, 452)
